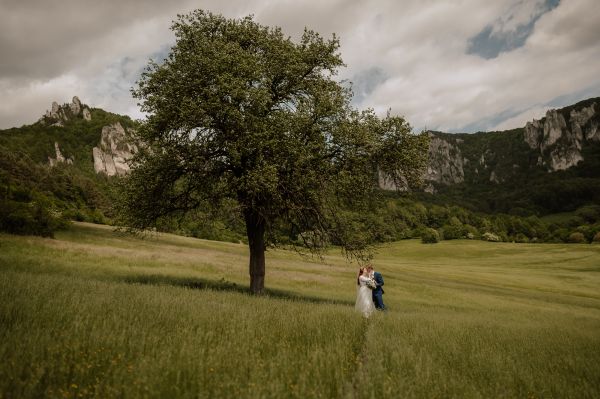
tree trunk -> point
(255, 230)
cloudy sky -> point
(450, 65)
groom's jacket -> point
(379, 281)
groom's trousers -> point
(378, 300)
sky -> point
(447, 65)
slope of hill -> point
(96, 314)
(73, 136)
(63, 166)
(548, 166)
(47, 169)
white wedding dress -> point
(364, 297)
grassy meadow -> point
(94, 313)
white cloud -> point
(447, 89)
(26, 103)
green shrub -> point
(587, 231)
(589, 213)
(561, 235)
(577, 237)
(74, 214)
(490, 237)
(97, 217)
(430, 236)
(471, 231)
(521, 238)
(452, 232)
(29, 218)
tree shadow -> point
(224, 285)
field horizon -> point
(97, 313)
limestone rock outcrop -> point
(87, 115)
(533, 133)
(387, 183)
(59, 114)
(114, 151)
(445, 166)
(75, 106)
(583, 124)
(558, 141)
(446, 163)
(494, 178)
(59, 157)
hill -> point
(549, 166)
(508, 184)
(49, 170)
(94, 313)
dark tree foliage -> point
(239, 112)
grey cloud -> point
(410, 56)
(42, 39)
(46, 38)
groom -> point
(377, 292)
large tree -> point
(239, 111)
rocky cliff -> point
(559, 140)
(556, 142)
(59, 157)
(105, 140)
(57, 115)
(111, 156)
(445, 161)
(550, 165)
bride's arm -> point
(364, 278)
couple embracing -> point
(370, 292)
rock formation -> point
(445, 166)
(583, 124)
(445, 161)
(386, 183)
(59, 114)
(75, 106)
(112, 155)
(553, 143)
(558, 141)
(494, 178)
(59, 157)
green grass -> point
(94, 313)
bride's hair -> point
(360, 272)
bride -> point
(364, 296)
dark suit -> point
(378, 292)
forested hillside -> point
(549, 166)
(493, 186)
(47, 172)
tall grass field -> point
(94, 313)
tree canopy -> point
(240, 112)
